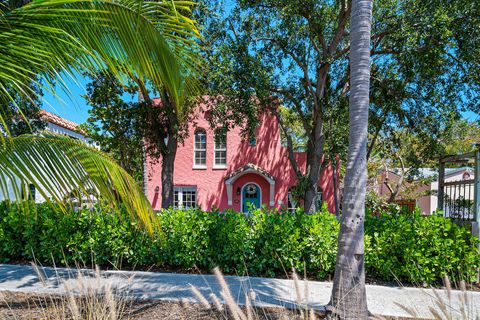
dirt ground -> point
(20, 306)
(23, 306)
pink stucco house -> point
(229, 171)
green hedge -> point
(408, 248)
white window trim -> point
(215, 149)
(180, 191)
(195, 165)
(292, 201)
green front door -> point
(250, 197)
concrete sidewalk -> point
(169, 286)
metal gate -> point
(459, 200)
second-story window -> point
(220, 149)
(200, 148)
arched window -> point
(220, 152)
(200, 149)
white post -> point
(441, 190)
(230, 193)
(272, 193)
(476, 209)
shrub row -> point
(408, 248)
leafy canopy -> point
(150, 41)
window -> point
(220, 149)
(32, 191)
(185, 197)
(292, 203)
(28, 192)
(200, 149)
(319, 199)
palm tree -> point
(348, 293)
(150, 41)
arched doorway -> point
(251, 197)
(250, 173)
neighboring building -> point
(426, 194)
(231, 172)
(58, 125)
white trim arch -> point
(249, 168)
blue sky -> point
(69, 106)
(74, 108)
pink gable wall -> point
(268, 153)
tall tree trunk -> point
(314, 165)
(335, 188)
(349, 299)
(314, 168)
(144, 169)
(168, 165)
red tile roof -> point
(59, 121)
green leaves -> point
(411, 249)
(144, 40)
(114, 123)
(419, 250)
(153, 42)
(61, 168)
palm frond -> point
(155, 40)
(59, 166)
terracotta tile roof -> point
(59, 121)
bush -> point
(186, 238)
(83, 236)
(320, 244)
(231, 242)
(417, 249)
(410, 248)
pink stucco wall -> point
(268, 153)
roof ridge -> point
(60, 121)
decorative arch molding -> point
(249, 168)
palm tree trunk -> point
(348, 294)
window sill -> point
(199, 167)
(220, 167)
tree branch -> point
(386, 179)
(296, 105)
(291, 154)
(375, 137)
(297, 60)
(342, 21)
